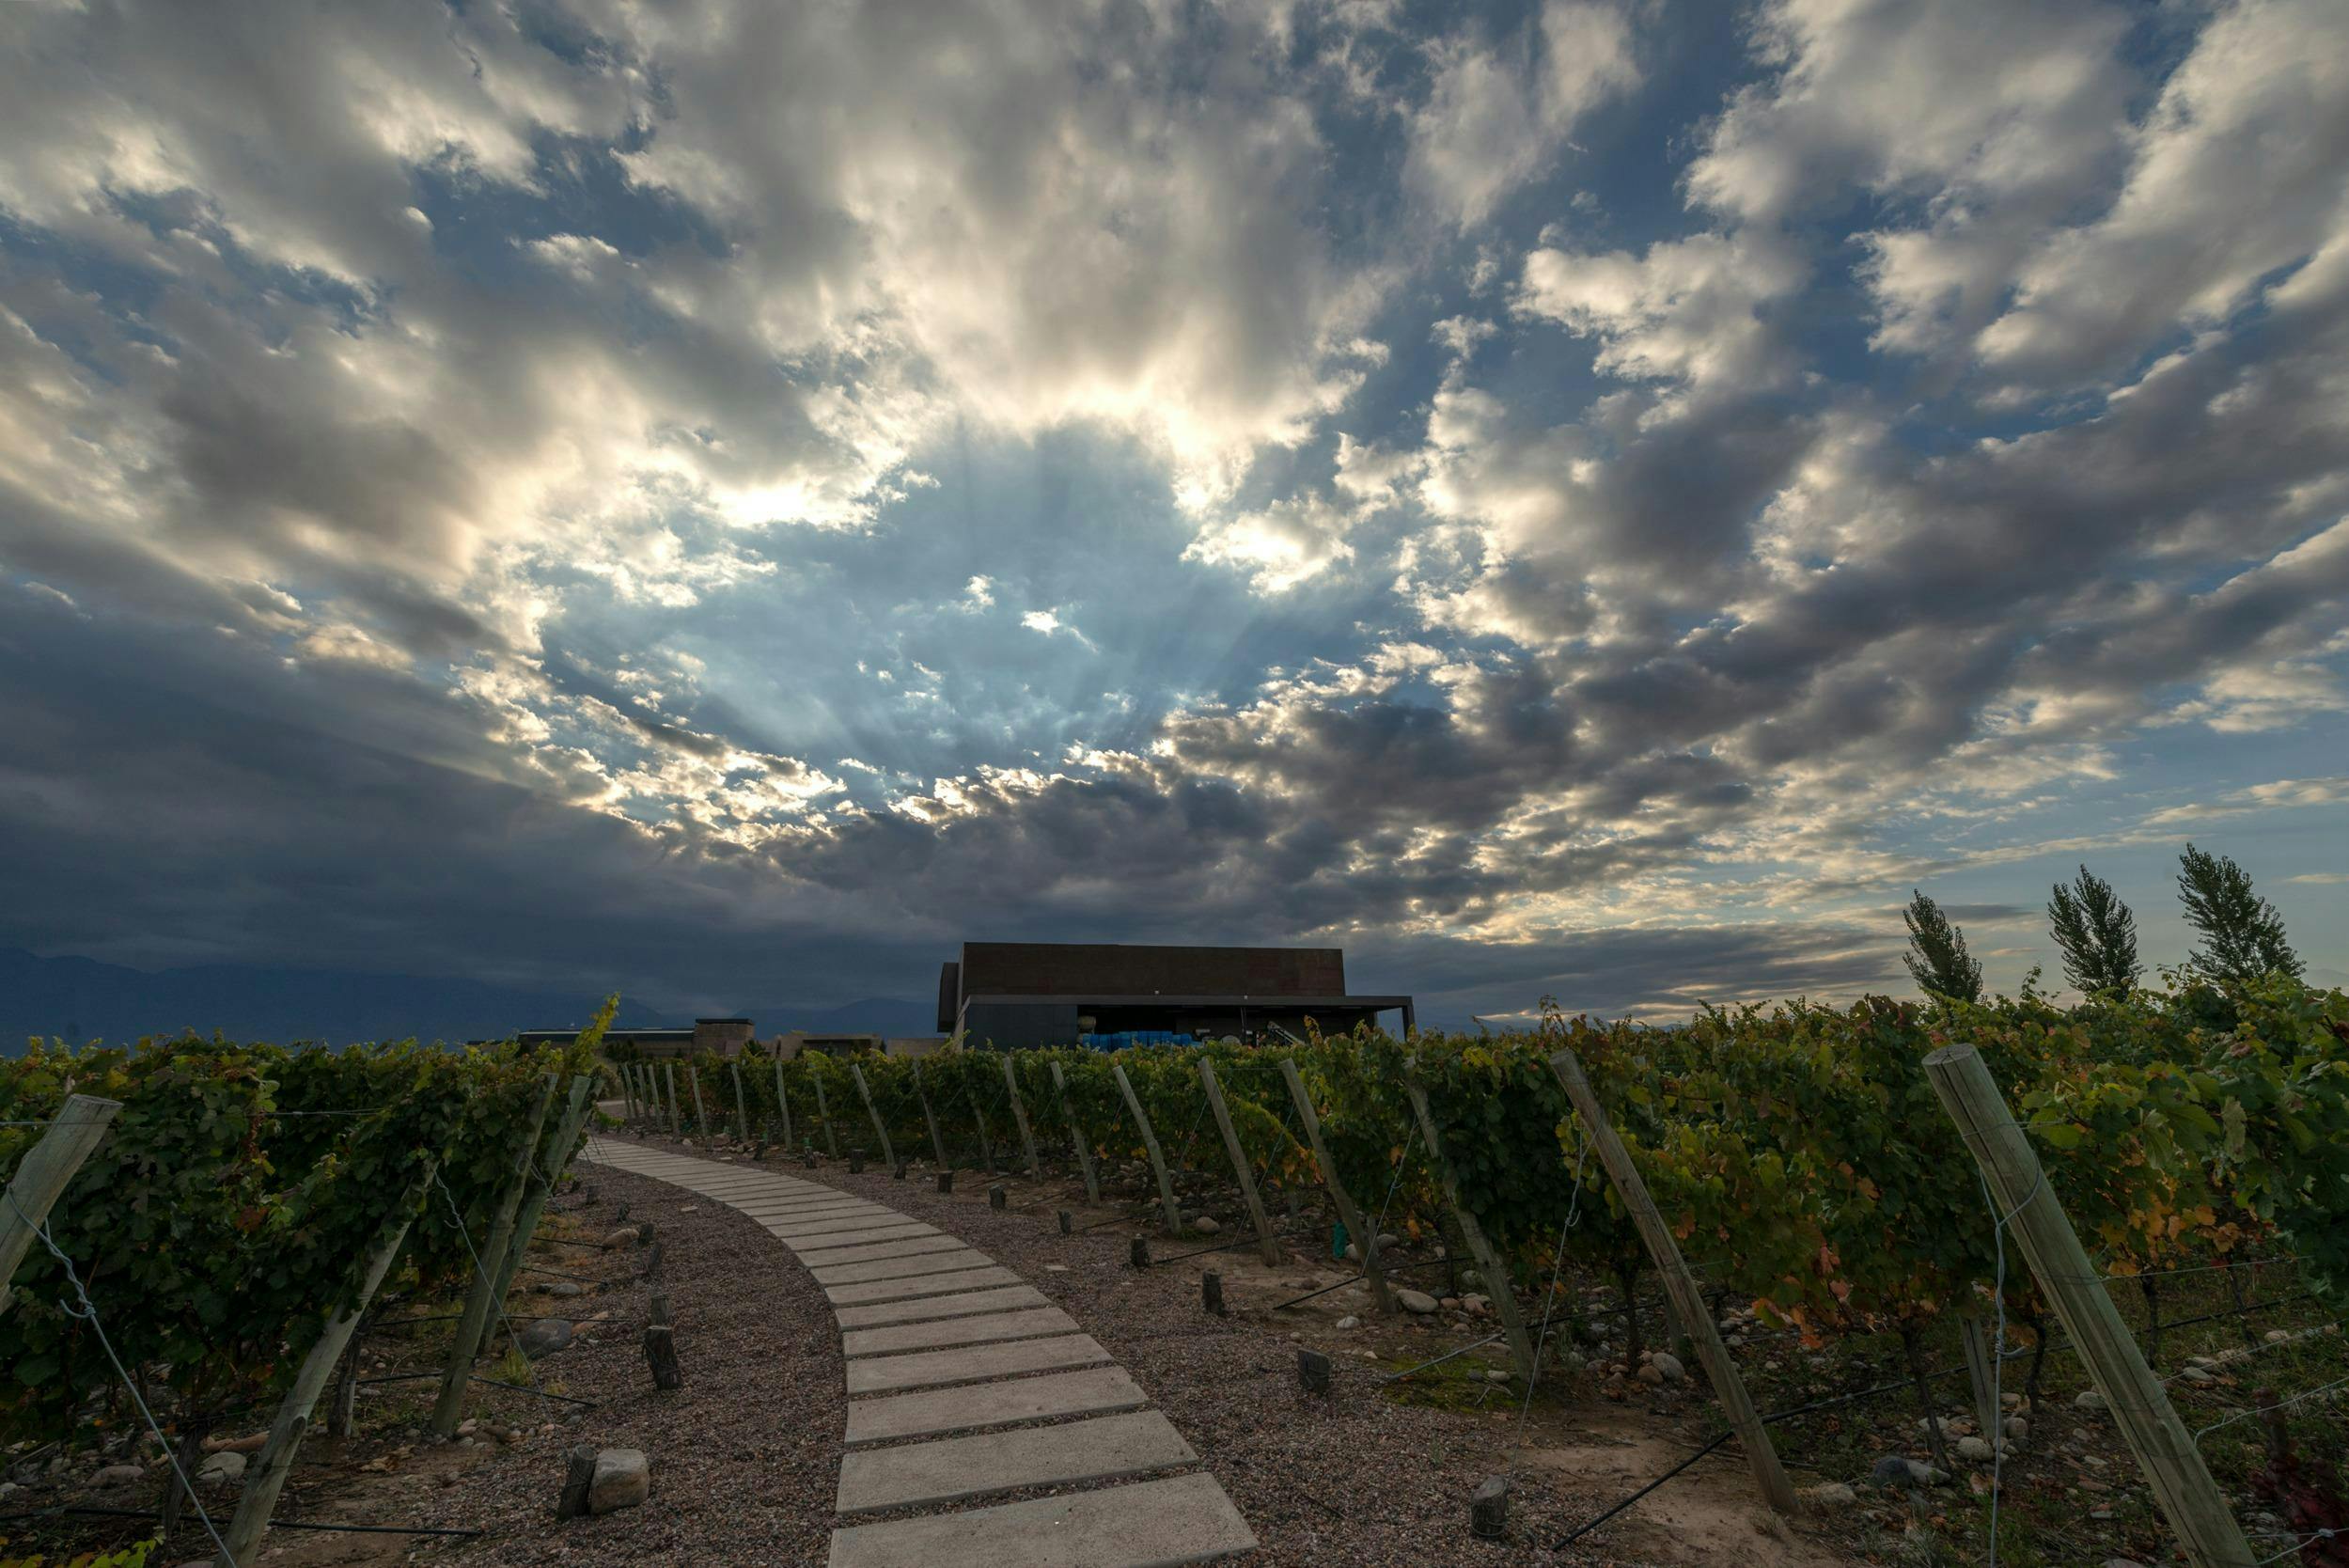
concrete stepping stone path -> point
(963, 1383)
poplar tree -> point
(2097, 934)
(1938, 957)
(2243, 934)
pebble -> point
(2197, 1374)
(1669, 1367)
(1349, 1323)
(119, 1474)
(1832, 1494)
(221, 1469)
(567, 1287)
(1207, 1225)
(2277, 1336)
(1497, 1375)
(2087, 1399)
(2018, 1428)
(1973, 1447)
(1415, 1301)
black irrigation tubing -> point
(582, 1278)
(1583, 1530)
(1489, 1339)
(1249, 1240)
(1359, 1278)
(477, 1378)
(273, 1523)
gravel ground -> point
(1350, 1478)
(745, 1456)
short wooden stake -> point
(1348, 1215)
(823, 1114)
(656, 1307)
(1312, 1372)
(856, 1162)
(267, 1475)
(742, 1109)
(1678, 1283)
(997, 1196)
(872, 1110)
(1068, 1223)
(578, 1479)
(1077, 1139)
(1265, 1240)
(1212, 1293)
(945, 1181)
(1498, 1284)
(1019, 1118)
(1157, 1158)
(1138, 1254)
(482, 1299)
(1488, 1510)
(701, 1116)
(937, 1144)
(659, 1354)
(651, 1262)
(42, 1175)
(2181, 1483)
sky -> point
(719, 499)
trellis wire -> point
(89, 1313)
(512, 1339)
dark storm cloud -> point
(672, 495)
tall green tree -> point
(2097, 936)
(1937, 953)
(2243, 934)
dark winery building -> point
(1021, 993)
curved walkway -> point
(952, 1363)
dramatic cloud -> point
(731, 499)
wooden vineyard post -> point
(1264, 1237)
(42, 1174)
(267, 1476)
(741, 1111)
(701, 1116)
(1979, 1375)
(782, 1103)
(668, 1071)
(1077, 1138)
(1498, 1287)
(937, 1144)
(865, 1093)
(823, 1114)
(986, 1144)
(559, 1156)
(1149, 1143)
(1019, 1117)
(482, 1299)
(1348, 1215)
(2181, 1483)
(1678, 1283)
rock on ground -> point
(221, 1468)
(623, 1479)
(544, 1337)
(1415, 1301)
